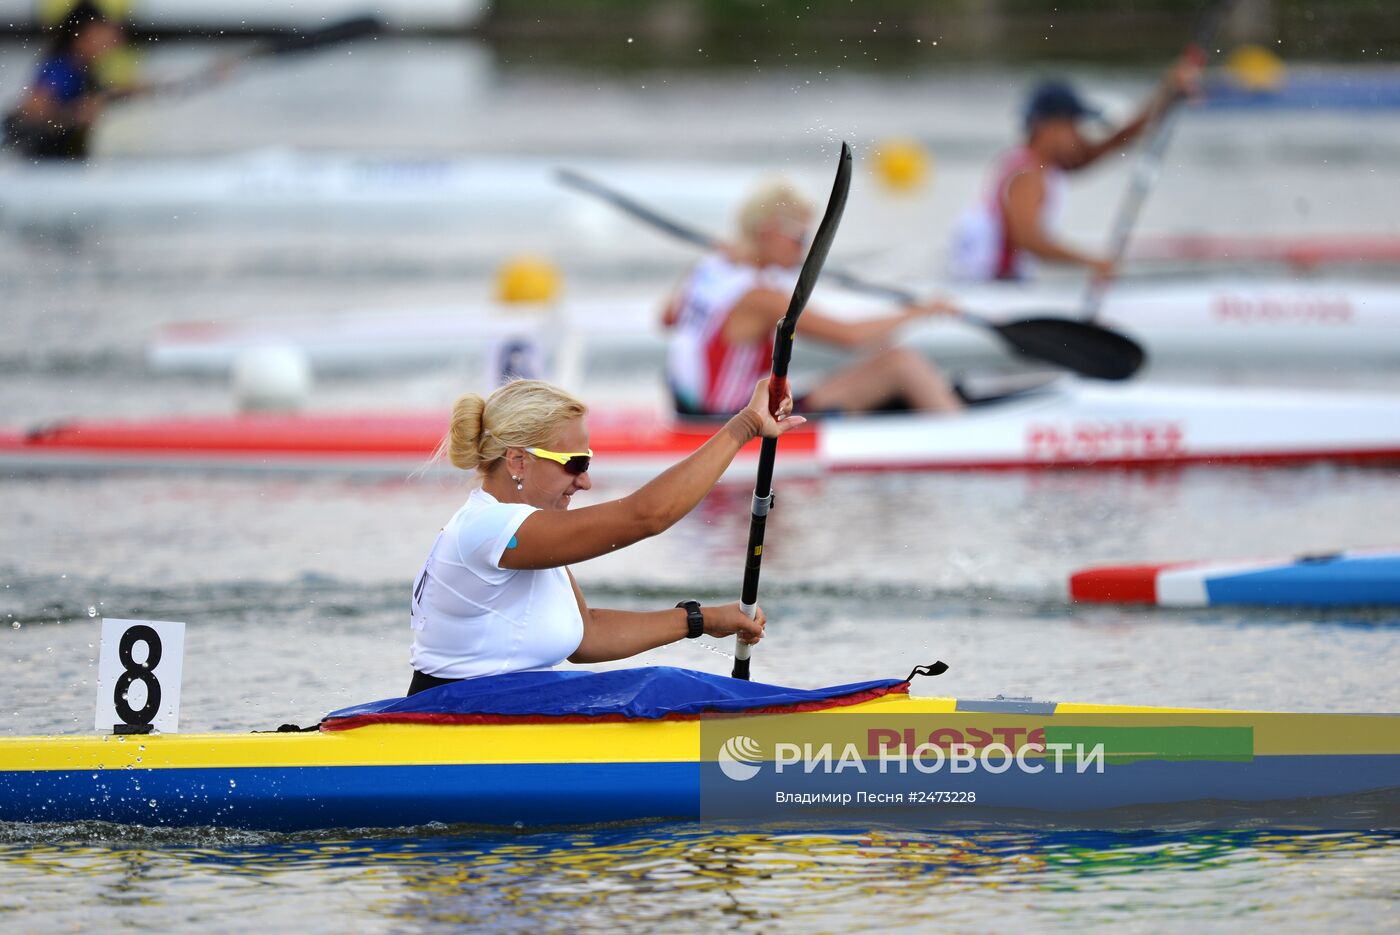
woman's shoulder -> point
(483, 518)
(483, 509)
(483, 528)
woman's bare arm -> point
(551, 538)
(758, 312)
(619, 634)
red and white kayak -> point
(1340, 579)
(1064, 424)
(1234, 321)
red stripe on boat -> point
(1120, 584)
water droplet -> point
(232, 784)
(92, 611)
(16, 625)
(153, 803)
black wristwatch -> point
(694, 620)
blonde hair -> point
(777, 198)
(521, 414)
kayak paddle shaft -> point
(778, 391)
(1150, 162)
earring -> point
(519, 484)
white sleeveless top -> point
(471, 617)
(980, 250)
(706, 372)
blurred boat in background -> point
(302, 188)
(1066, 423)
(1236, 321)
(1299, 252)
(1360, 578)
(238, 16)
(1310, 89)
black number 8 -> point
(143, 672)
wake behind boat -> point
(1068, 423)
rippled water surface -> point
(295, 589)
(687, 878)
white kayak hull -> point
(1213, 322)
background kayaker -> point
(723, 314)
(495, 594)
(55, 116)
(996, 237)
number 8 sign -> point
(138, 676)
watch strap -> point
(694, 619)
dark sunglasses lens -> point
(577, 464)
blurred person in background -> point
(724, 312)
(55, 116)
(1014, 221)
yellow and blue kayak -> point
(401, 771)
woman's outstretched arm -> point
(551, 538)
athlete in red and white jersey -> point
(983, 246)
(996, 237)
(723, 315)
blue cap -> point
(1056, 99)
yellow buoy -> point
(1255, 68)
(119, 68)
(52, 11)
(527, 279)
(902, 165)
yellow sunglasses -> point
(575, 462)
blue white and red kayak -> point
(1342, 579)
(1068, 423)
(407, 762)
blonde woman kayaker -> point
(495, 594)
(723, 315)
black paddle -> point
(1084, 347)
(306, 41)
(287, 44)
(778, 391)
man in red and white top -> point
(723, 315)
(996, 237)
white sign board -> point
(138, 675)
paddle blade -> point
(343, 31)
(1080, 346)
(812, 266)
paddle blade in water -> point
(1085, 348)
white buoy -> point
(272, 378)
